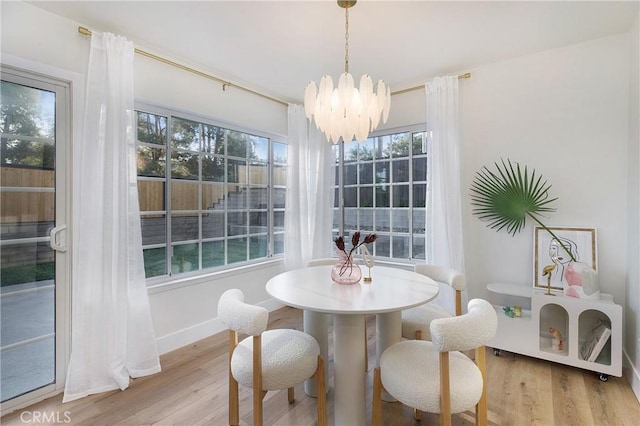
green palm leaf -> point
(507, 196)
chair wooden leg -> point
(291, 396)
(417, 414)
(322, 393)
(481, 408)
(257, 408)
(234, 405)
(258, 393)
(445, 394)
(376, 403)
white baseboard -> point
(632, 375)
(187, 336)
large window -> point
(209, 196)
(384, 189)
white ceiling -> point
(277, 47)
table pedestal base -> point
(349, 378)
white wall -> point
(166, 85)
(564, 113)
(31, 33)
(187, 312)
(632, 306)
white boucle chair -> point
(415, 321)
(435, 376)
(267, 359)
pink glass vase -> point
(581, 281)
(345, 271)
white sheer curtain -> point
(112, 332)
(308, 214)
(444, 217)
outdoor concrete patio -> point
(27, 314)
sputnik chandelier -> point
(347, 112)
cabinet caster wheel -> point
(496, 352)
(603, 377)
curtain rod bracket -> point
(84, 31)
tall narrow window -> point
(385, 182)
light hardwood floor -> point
(192, 390)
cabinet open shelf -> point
(574, 318)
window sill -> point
(179, 282)
(408, 265)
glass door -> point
(33, 126)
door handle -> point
(57, 239)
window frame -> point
(340, 187)
(168, 180)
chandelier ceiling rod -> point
(346, 5)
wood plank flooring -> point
(192, 390)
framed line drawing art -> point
(547, 252)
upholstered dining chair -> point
(267, 359)
(436, 377)
(332, 261)
(415, 321)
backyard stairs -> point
(153, 228)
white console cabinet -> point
(574, 318)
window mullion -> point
(226, 197)
(167, 171)
(199, 192)
(410, 230)
(270, 223)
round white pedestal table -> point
(390, 291)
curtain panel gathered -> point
(443, 233)
(308, 214)
(444, 217)
(112, 331)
